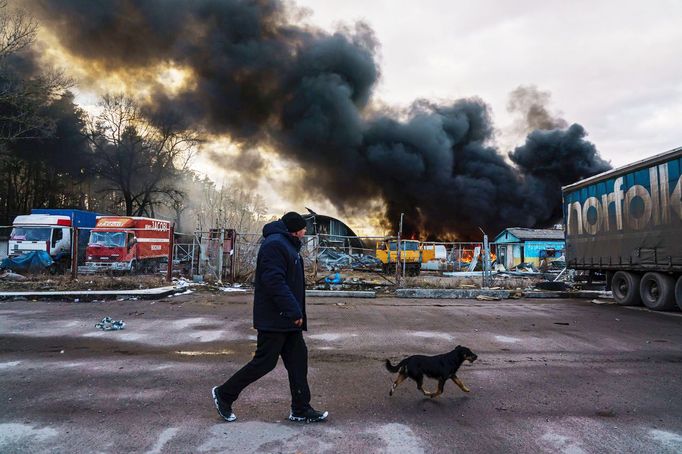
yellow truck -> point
(411, 254)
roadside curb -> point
(89, 295)
(501, 294)
(586, 294)
(341, 293)
(450, 293)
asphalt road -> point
(552, 376)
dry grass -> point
(85, 282)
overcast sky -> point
(613, 66)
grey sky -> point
(613, 66)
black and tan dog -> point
(440, 367)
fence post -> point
(221, 252)
(316, 252)
(233, 253)
(398, 252)
(171, 237)
(74, 253)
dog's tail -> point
(391, 368)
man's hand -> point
(298, 322)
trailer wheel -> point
(678, 292)
(625, 288)
(656, 290)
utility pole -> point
(486, 274)
(398, 245)
(171, 244)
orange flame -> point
(468, 256)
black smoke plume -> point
(263, 78)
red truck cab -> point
(127, 243)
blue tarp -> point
(32, 262)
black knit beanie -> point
(293, 221)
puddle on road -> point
(245, 437)
(24, 435)
(207, 336)
(164, 438)
(507, 340)
(255, 436)
(204, 353)
(330, 337)
(9, 364)
(433, 335)
(398, 438)
(562, 443)
(670, 440)
(187, 322)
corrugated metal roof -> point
(536, 234)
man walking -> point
(280, 318)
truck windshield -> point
(108, 239)
(405, 245)
(31, 233)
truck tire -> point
(678, 292)
(625, 288)
(657, 291)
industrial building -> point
(332, 232)
(516, 245)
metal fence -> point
(225, 255)
(69, 250)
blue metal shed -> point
(517, 245)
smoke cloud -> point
(531, 104)
(261, 78)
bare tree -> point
(228, 206)
(137, 159)
(17, 30)
(24, 88)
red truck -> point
(130, 244)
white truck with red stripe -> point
(50, 230)
(124, 243)
(41, 232)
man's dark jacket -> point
(279, 296)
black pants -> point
(270, 346)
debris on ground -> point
(9, 275)
(552, 286)
(186, 292)
(333, 279)
(333, 260)
(602, 302)
(488, 298)
(30, 262)
(107, 324)
(232, 288)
